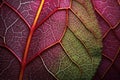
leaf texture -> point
(49, 40)
(108, 15)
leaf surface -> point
(51, 39)
(108, 15)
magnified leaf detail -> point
(108, 15)
(49, 40)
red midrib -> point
(23, 63)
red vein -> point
(112, 27)
(111, 64)
(55, 10)
(66, 25)
(18, 14)
(105, 18)
(5, 46)
(67, 17)
(70, 3)
(107, 57)
(39, 52)
(23, 64)
(115, 35)
(46, 18)
(91, 31)
(106, 33)
(116, 24)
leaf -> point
(108, 15)
(48, 40)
